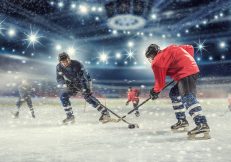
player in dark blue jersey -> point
(25, 91)
(72, 78)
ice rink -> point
(44, 139)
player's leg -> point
(179, 110)
(105, 116)
(29, 103)
(187, 89)
(135, 104)
(65, 100)
(18, 106)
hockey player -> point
(73, 78)
(229, 102)
(133, 96)
(25, 91)
(178, 63)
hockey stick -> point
(136, 108)
(130, 125)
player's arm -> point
(59, 76)
(85, 79)
(160, 76)
(20, 91)
(188, 48)
(129, 99)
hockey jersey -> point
(133, 95)
(174, 61)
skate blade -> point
(110, 120)
(182, 130)
(13, 116)
(69, 123)
(205, 136)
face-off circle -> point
(126, 22)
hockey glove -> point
(153, 94)
(127, 103)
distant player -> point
(178, 63)
(229, 102)
(133, 96)
(25, 91)
(73, 78)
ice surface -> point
(44, 139)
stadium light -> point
(60, 4)
(100, 9)
(32, 38)
(130, 44)
(130, 54)
(153, 16)
(103, 57)
(83, 9)
(204, 22)
(114, 32)
(71, 51)
(73, 5)
(11, 32)
(200, 46)
(222, 44)
(118, 55)
(58, 47)
(93, 8)
(96, 18)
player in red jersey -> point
(178, 63)
(133, 96)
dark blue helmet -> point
(63, 56)
(152, 51)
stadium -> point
(109, 38)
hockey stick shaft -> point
(136, 108)
(120, 118)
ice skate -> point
(32, 114)
(137, 113)
(201, 132)
(69, 120)
(180, 126)
(15, 115)
(105, 118)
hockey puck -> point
(131, 126)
